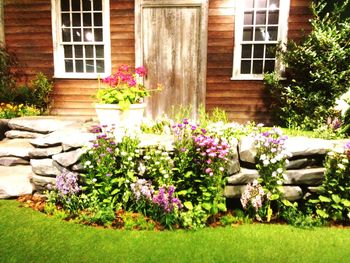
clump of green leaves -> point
(334, 201)
(317, 72)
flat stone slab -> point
(302, 146)
(77, 139)
(245, 176)
(44, 167)
(12, 161)
(15, 181)
(291, 193)
(15, 147)
(42, 124)
(44, 152)
(41, 182)
(67, 159)
(297, 146)
(55, 138)
(311, 176)
(16, 134)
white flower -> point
(274, 174)
(279, 170)
(123, 153)
(266, 162)
(273, 160)
(263, 157)
(94, 180)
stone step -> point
(15, 181)
(15, 148)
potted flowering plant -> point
(121, 98)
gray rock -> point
(291, 193)
(42, 183)
(78, 167)
(246, 149)
(234, 148)
(44, 167)
(303, 163)
(58, 166)
(40, 124)
(312, 176)
(11, 161)
(234, 191)
(53, 139)
(15, 147)
(3, 128)
(245, 176)
(314, 189)
(15, 134)
(15, 181)
(67, 159)
(44, 152)
(233, 167)
(77, 140)
(302, 146)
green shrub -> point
(334, 201)
(317, 73)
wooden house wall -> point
(28, 33)
(243, 100)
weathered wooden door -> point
(171, 42)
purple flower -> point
(108, 175)
(67, 183)
(165, 199)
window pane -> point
(249, 4)
(65, 5)
(248, 18)
(76, 20)
(246, 51)
(261, 18)
(98, 34)
(87, 20)
(260, 34)
(89, 66)
(100, 51)
(261, 3)
(78, 51)
(274, 4)
(66, 35)
(258, 51)
(68, 51)
(65, 20)
(89, 51)
(76, 5)
(269, 66)
(68, 65)
(79, 66)
(86, 5)
(272, 33)
(100, 65)
(88, 37)
(98, 5)
(245, 66)
(77, 34)
(98, 19)
(257, 67)
(273, 17)
(270, 51)
(248, 34)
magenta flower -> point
(141, 71)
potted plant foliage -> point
(121, 98)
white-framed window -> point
(81, 38)
(259, 26)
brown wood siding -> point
(243, 100)
(75, 97)
(28, 35)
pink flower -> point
(141, 71)
(123, 68)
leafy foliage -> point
(334, 201)
(317, 73)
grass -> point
(30, 236)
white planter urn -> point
(122, 120)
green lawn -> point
(30, 236)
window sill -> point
(249, 77)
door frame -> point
(203, 39)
